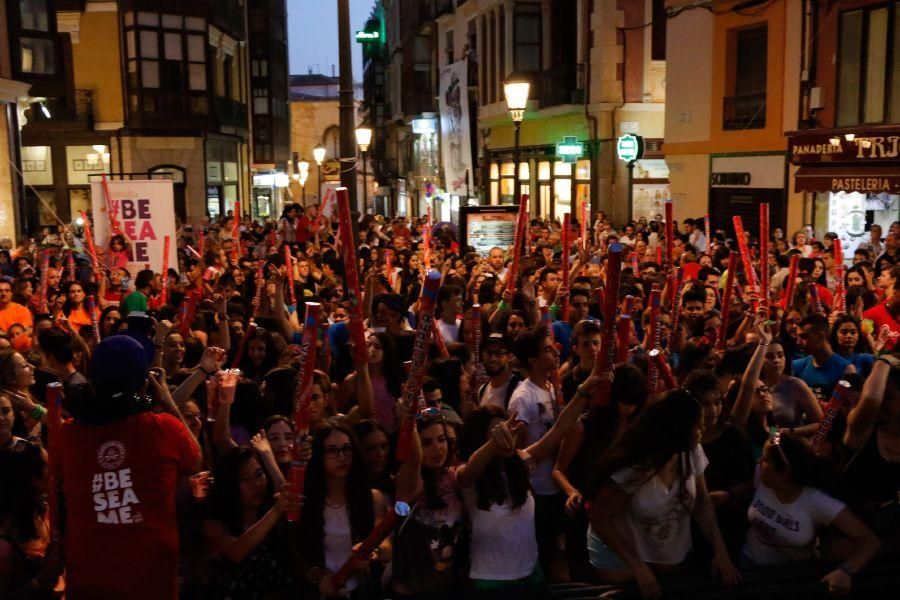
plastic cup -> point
(212, 399)
(227, 385)
(200, 485)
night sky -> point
(312, 31)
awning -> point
(876, 179)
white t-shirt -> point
(338, 542)
(492, 396)
(449, 331)
(780, 532)
(533, 405)
(658, 517)
(504, 542)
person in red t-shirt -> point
(120, 463)
(887, 313)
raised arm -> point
(747, 390)
(861, 419)
(284, 325)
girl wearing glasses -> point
(339, 511)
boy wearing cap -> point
(120, 465)
(503, 381)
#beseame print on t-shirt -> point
(115, 501)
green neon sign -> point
(365, 37)
(630, 147)
(570, 149)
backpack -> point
(514, 380)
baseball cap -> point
(496, 339)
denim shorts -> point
(601, 556)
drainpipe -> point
(592, 119)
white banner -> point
(456, 146)
(145, 213)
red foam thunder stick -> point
(752, 281)
(187, 312)
(670, 232)
(419, 358)
(726, 299)
(838, 398)
(54, 420)
(566, 243)
(764, 253)
(603, 365)
(665, 371)
(623, 330)
(89, 240)
(521, 221)
(289, 268)
(357, 329)
(840, 294)
(676, 307)
(302, 394)
(791, 282)
(91, 307)
(236, 232)
(708, 236)
(652, 339)
(164, 293)
(382, 529)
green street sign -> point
(570, 149)
(630, 147)
(366, 37)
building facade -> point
(597, 70)
(733, 81)
(845, 152)
(144, 89)
(270, 118)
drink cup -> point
(200, 485)
(212, 399)
(228, 385)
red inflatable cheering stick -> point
(302, 394)
(419, 358)
(603, 365)
(351, 271)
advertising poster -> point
(456, 147)
(485, 227)
(145, 213)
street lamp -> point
(363, 139)
(319, 156)
(516, 92)
(303, 167)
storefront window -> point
(583, 169)
(650, 189)
(852, 214)
(562, 169)
(544, 171)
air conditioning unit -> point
(817, 98)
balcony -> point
(744, 112)
(231, 115)
(559, 86)
(63, 113)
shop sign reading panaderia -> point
(863, 146)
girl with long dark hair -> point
(848, 340)
(794, 404)
(425, 549)
(245, 531)
(339, 511)
(386, 374)
(652, 478)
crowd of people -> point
(738, 428)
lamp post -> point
(304, 175)
(363, 139)
(319, 156)
(516, 92)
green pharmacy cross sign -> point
(630, 147)
(570, 149)
(366, 37)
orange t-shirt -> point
(15, 313)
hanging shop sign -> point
(570, 149)
(630, 147)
